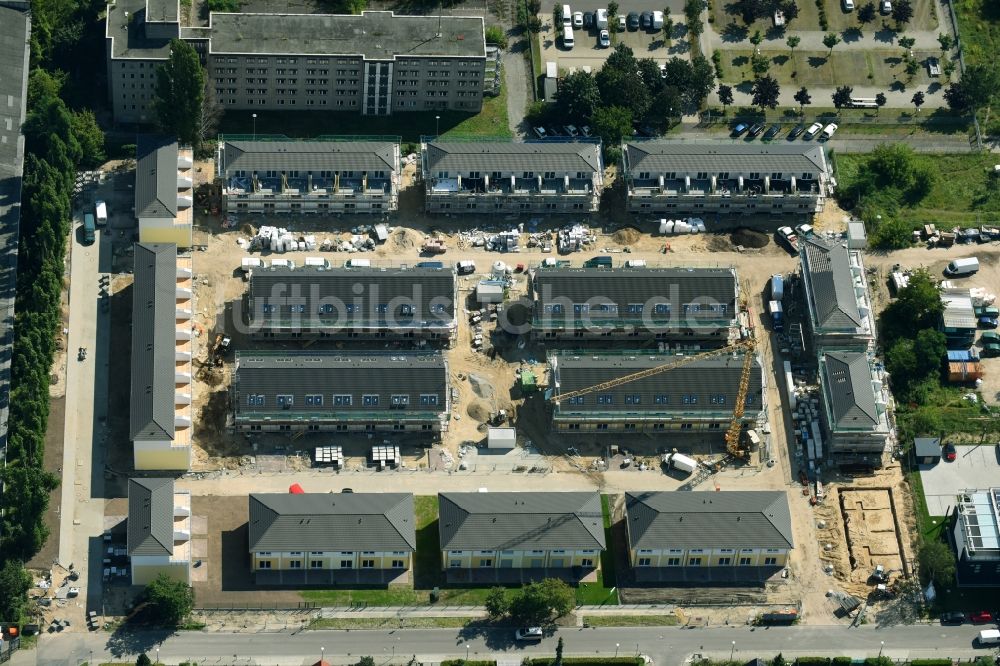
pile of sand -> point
(627, 236)
(749, 238)
(402, 239)
(248, 230)
(477, 411)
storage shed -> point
(927, 450)
(501, 438)
(490, 291)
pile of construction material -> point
(574, 238)
(691, 225)
(807, 428)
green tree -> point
(90, 137)
(890, 233)
(879, 102)
(937, 563)
(497, 603)
(917, 306)
(725, 96)
(612, 124)
(756, 38)
(180, 91)
(143, 660)
(692, 16)
(765, 92)
(931, 348)
(946, 41)
(612, 9)
(168, 601)
(578, 96)
(866, 13)
(496, 35)
(759, 64)
(803, 98)
(902, 12)
(15, 582)
(830, 40)
(701, 83)
(366, 661)
(539, 602)
(793, 42)
(906, 43)
(668, 28)
(917, 100)
(779, 660)
(842, 97)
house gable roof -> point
(831, 283)
(150, 529)
(848, 379)
(256, 156)
(457, 158)
(155, 177)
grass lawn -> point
(651, 620)
(390, 622)
(603, 591)
(490, 122)
(820, 68)
(964, 193)
(924, 18)
(979, 26)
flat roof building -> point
(958, 319)
(699, 395)
(355, 303)
(836, 291)
(482, 178)
(164, 191)
(326, 177)
(340, 391)
(374, 63)
(640, 304)
(162, 358)
(727, 185)
(976, 538)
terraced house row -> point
(483, 537)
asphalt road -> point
(663, 645)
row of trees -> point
(628, 90)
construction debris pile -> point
(574, 238)
(691, 225)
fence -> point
(961, 65)
(9, 648)
(848, 116)
(231, 607)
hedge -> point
(842, 661)
(462, 662)
(589, 661)
(813, 661)
(930, 662)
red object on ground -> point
(296, 489)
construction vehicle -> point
(219, 348)
(734, 444)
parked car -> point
(540, 132)
(588, 20)
(528, 634)
(633, 21)
(772, 132)
(987, 322)
(601, 18)
(981, 617)
(933, 67)
(848, 5)
(646, 20)
(740, 129)
(622, 23)
(829, 131)
(577, 19)
(603, 40)
(554, 131)
(812, 131)
(585, 130)
(886, 6)
(755, 129)
(949, 453)
(990, 350)
(796, 131)
(953, 617)
(989, 337)
(571, 130)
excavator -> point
(747, 345)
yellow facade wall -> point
(283, 561)
(144, 574)
(519, 559)
(708, 557)
(180, 234)
(174, 458)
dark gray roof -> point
(374, 35)
(848, 380)
(329, 373)
(729, 519)
(155, 176)
(704, 380)
(520, 521)
(126, 28)
(154, 332)
(830, 282)
(251, 156)
(927, 446)
(676, 287)
(458, 157)
(691, 157)
(328, 522)
(150, 516)
(354, 296)
(162, 11)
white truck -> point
(101, 209)
(962, 267)
(250, 263)
(680, 461)
(317, 262)
(989, 637)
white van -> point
(657, 20)
(251, 263)
(962, 267)
(358, 263)
(282, 263)
(567, 16)
(989, 637)
(318, 262)
(568, 41)
(101, 209)
(602, 19)
(635, 263)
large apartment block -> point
(680, 305)
(836, 291)
(375, 63)
(855, 398)
(274, 391)
(326, 177)
(725, 184)
(353, 303)
(164, 191)
(480, 178)
(699, 395)
(162, 358)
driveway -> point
(976, 467)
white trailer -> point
(680, 461)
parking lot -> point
(975, 467)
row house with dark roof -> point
(697, 396)
(677, 305)
(158, 540)
(727, 184)
(332, 391)
(482, 178)
(854, 396)
(323, 177)
(365, 303)
(836, 293)
(164, 191)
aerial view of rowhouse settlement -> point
(487, 333)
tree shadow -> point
(780, 59)
(129, 639)
(735, 33)
(851, 35)
(775, 32)
(885, 35)
(741, 61)
(898, 86)
(817, 61)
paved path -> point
(665, 645)
(843, 142)
(517, 78)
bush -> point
(224, 5)
(841, 661)
(496, 35)
(930, 662)
(813, 661)
(168, 601)
(588, 661)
